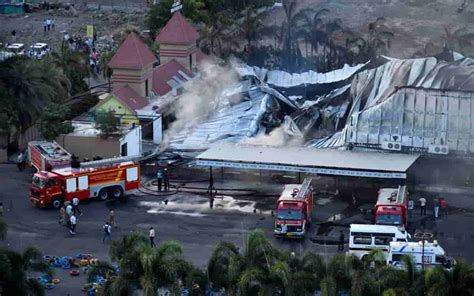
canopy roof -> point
(309, 160)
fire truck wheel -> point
(103, 194)
(57, 202)
(117, 192)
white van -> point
(364, 238)
(432, 255)
(17, 48)
(39, 50)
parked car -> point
(16, 48)
(39, 50)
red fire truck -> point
(57, 181)
(294, 210)
(392, 206)
(44, 155)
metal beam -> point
(302, 169)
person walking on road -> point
(69, 208)
(159, 177)
(73, 221)
(152, 237)
(107, 230)
(112, 218)
(436, 208)
(422, 201)
(340, 245)
(75, 206)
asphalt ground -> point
(187, 219)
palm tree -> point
(375, 43)
(291, 54)
(458, 280)
(312, 29)
(34, 84)
(14, 270)
(74, 65)
(219, 33)
(149, 268)
(458, 39)
(219, 265)
(104, 61)
(252, 24)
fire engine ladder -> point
(108, 162)
(304, 188)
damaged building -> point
(422, 106)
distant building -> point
(143, 86)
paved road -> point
(186, 218)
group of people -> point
(69, 212)
(163, 179)
(49, 24)
(438, 204)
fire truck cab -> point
(294, 210)
(392, 207)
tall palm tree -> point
(146, 267)
(459, 39)
(376, 42)
(291, 54)
(312, 29)
(14, 270)
(458, 280)
(219, 265)
(34, 84)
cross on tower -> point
(176, 6)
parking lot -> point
(188, 219)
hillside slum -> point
(423, 104)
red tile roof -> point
(130, 98)
(165, 73)
(132, 54)
(177, 31)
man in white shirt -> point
(73, 221)
(107, 230)
(75, 206)
(152, 237)
(422, 201)
(284, 228)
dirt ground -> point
(414, 22)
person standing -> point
(107, 230)
(436, 208)
(166, 180)
(23, 160)
(73, 221)
(444, 206)
(52, 24)
(48, 24)
(422, 201)
(68, 209)
(75, 206)
(19, 160)
(45, 25)
(112, 218)
(284, 229)
(151, 235)
(159, 177)
(340, 245)
(63, 215)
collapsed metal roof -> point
(423, 105)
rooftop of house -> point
(177, 31)
(132, 54)
(169, 75)
(130, 98)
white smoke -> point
(200, 98)
(279, 137)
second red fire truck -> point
(392, 207)
(294, 210)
